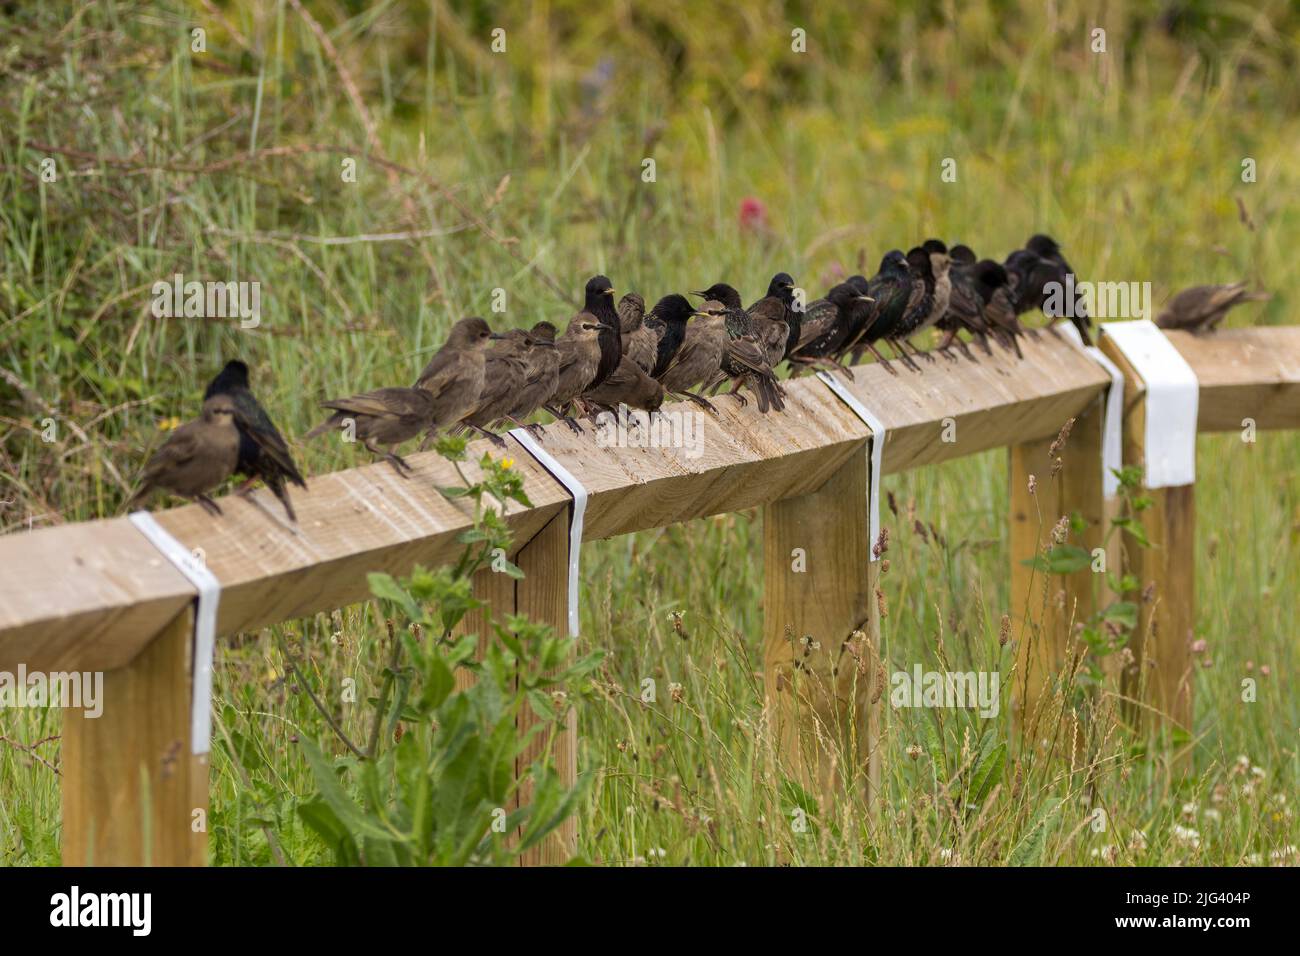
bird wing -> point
(180, 446)
(385, 402)
(439, 371)
(252, 421)
(818, 319)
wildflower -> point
(1004, 630)
(914, 751)
(1033, 484)
(1186, 837)
(1137, 841)
(1199, 646)
(676, 693)
(507, 464)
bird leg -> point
(210, 506)
(921, 352)
(902, 355)
(983, 339)
(560, 414)
(697, 399)
(884, 362)
(490, 436)
(246, 488)
(397, 461)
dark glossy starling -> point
(993, 286)
(640, 340)
(826, 325)
(600, 304)
(454, 376)
(764, 320)
(920, 305)
(196, 457)
(1032, 269)
(891, 290)
(386, 416)
(782, 288)
(745, 358)
(262, 450)
(668, 318)
(1201, 308)
(965, 309)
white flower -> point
(1186, 836)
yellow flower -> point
(506, 463)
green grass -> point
(160, 170)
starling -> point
(262, 450)
(505, 366)
(941, 285)
(826, 324)
(578, 350)
(965, 308)
(765, 319)
(993, 286)
(389, 416)
(541, 374)
(196, 457)
(1201, 308)
(745, 357)
(640, 341)
(629, 386)
(891, 290)
(1032, 268)
(454, 376)
(600, 305)
(781, 288)
(668, 319)
(699, 355)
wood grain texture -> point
(1160, 679)
(820, 680)
(130, 784)
(994, 402)
(1245, 373)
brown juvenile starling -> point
(579, 353)
(386, 416)
(540, 377)
(640, 340)
(262, 450)
(629, 386)
(454, 376)
(196, 457)
(1202, 307)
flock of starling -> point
(614, 354)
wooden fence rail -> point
(97, 596)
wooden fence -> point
(97, 596)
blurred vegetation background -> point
(522, 170)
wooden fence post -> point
(543, 595)
(1161, 678)
(133, 793)
(1047, 609)
(818, 593)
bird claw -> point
(573, 425)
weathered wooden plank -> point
(133, 794)
(1245, 373)
(992, 402)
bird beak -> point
(865, 298)
(701, 294)
(496, 337)
(609, 292)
